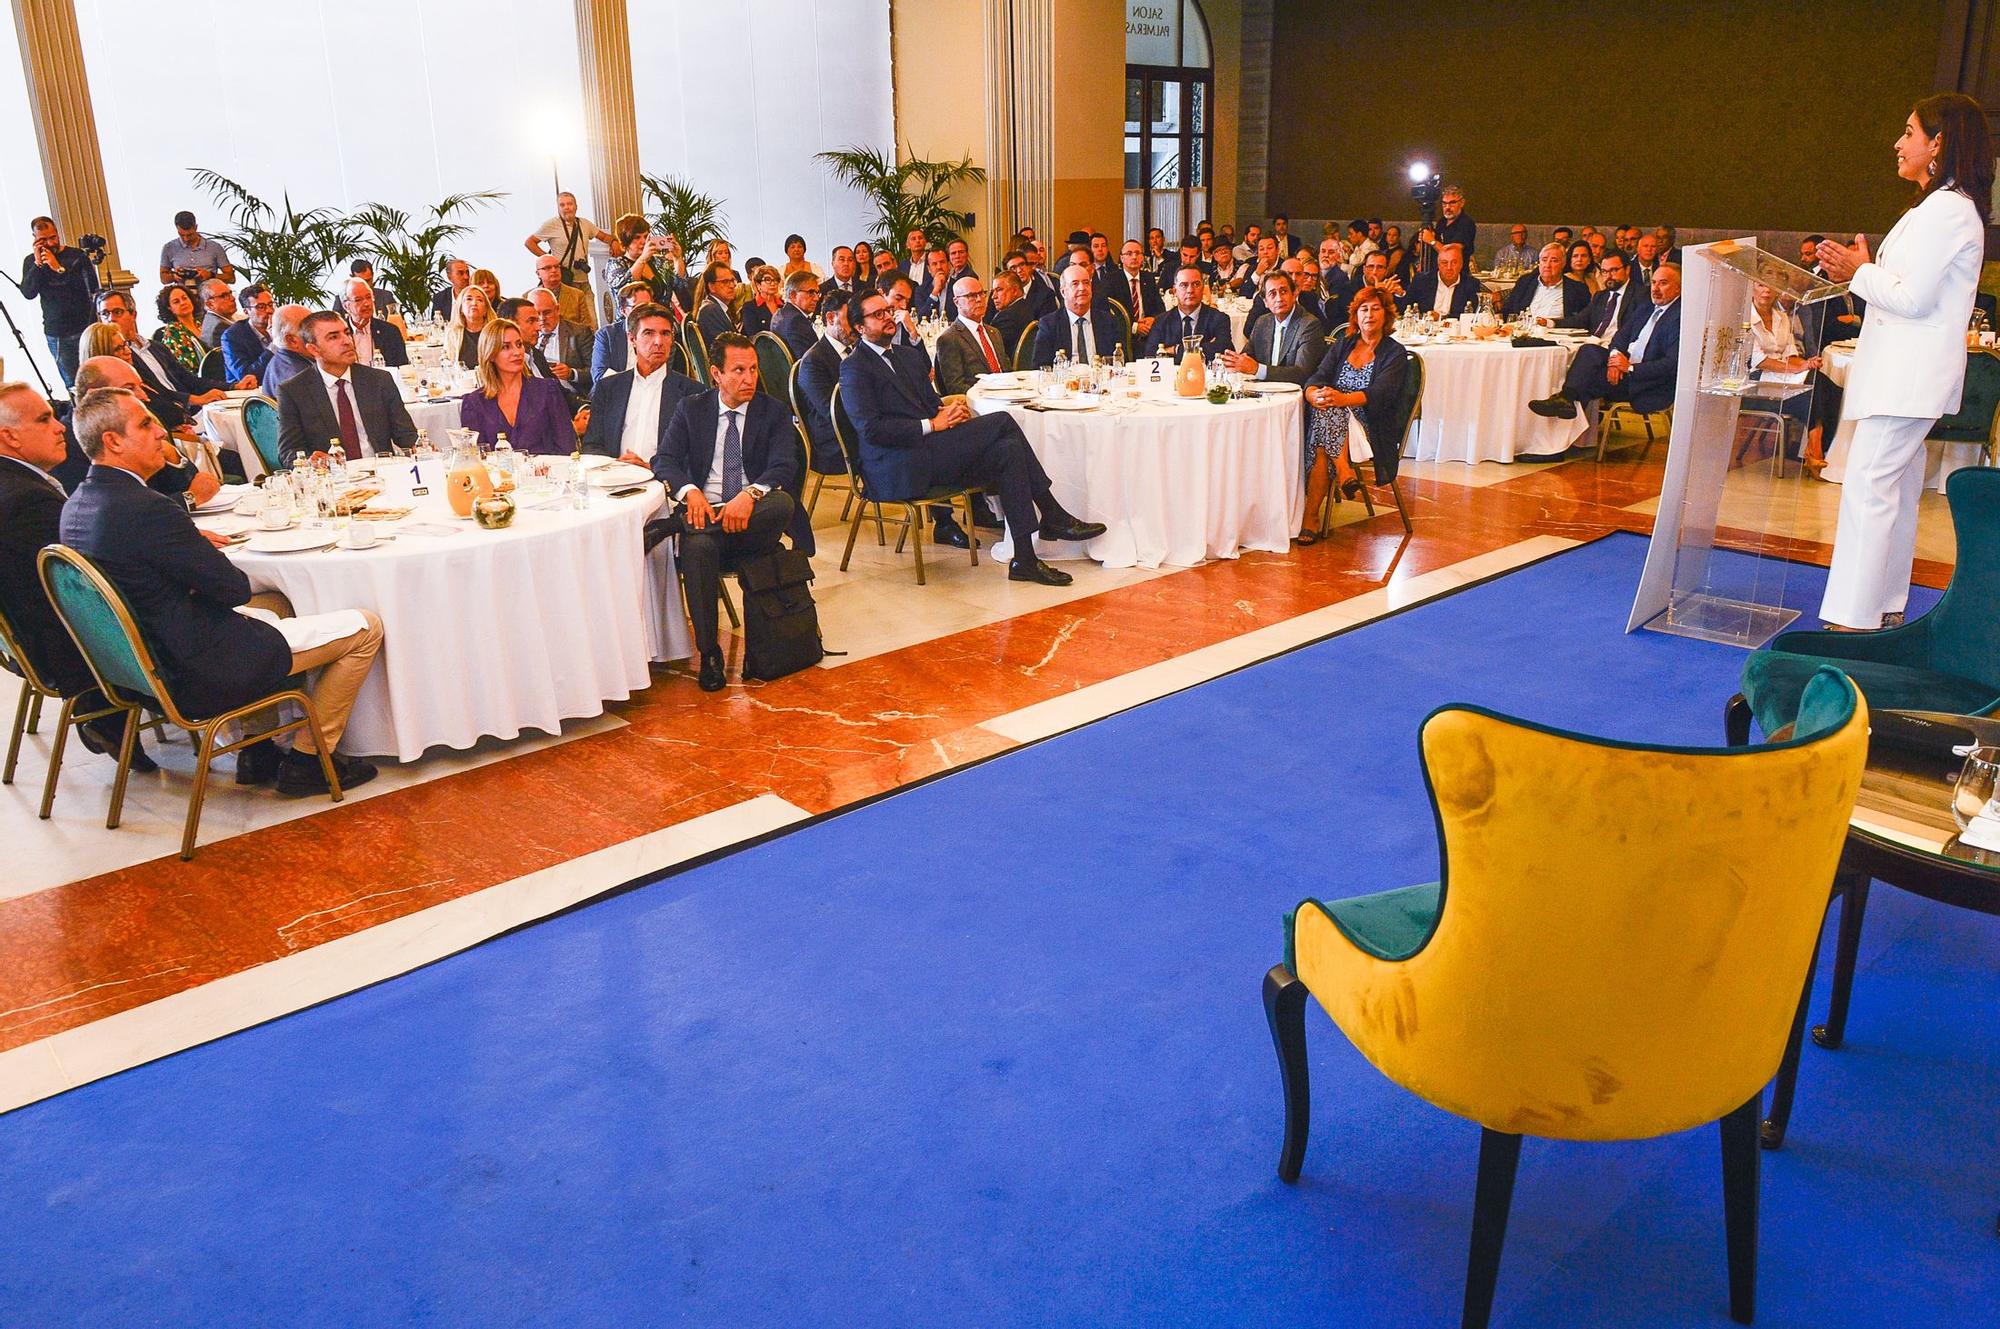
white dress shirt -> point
(1645, 337)
(1069, 335)
(143, 350)
(1441, 302)
(1548, 301)
(711, 487)
(1277, 341)
(978, 330)
(354, 401)
(364, 342)
(641, 436)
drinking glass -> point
(1973, 796)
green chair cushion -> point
(1774, 683)
(1389, 925)
(93, 619)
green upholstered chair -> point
(912, 530)
(97, 617)
(1977, 419)
(1615, 951)
(1024, 345)
(815, 479)
(1946, 660)
(260, 421)
(28, 714)
(774, 366)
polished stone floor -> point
(112, 951)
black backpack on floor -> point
(780, 624)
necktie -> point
(1611, 312)
(350, 428)
(1136, 311)
(1187, 323)
(1079, 356)
(992, 360)
(732, 460)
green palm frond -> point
(409, 252)
(905, 196)
(684, 212)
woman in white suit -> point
(1909, 367)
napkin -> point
(1533, 341)
(305, 632)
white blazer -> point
(1919, 289)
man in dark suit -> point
(1446, 290)
(630, 411)
(912, 442)
(1189, 318)
(899, 292)
(457, 276)
(1288, 344)
(372, 336)
(1132, 286)
(526, 316)
(714, 318)
(1038, 297)
(793, 324)
(179, 479)
(1640, 367)
(246, 343)
(1083, 329)
(1007, 313)
(173, 392)
(842, 281)
(184, 593)
(934, 297)
(33, 443)
(1550, 295)
(1190, 257)
(1831, 320)
(969, 347)
(563, 346)
(338, 399)
(609, 344)
(729, 457)
(1621, 298)
(288, 350)
(819, 375)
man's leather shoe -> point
(299, 773)
(657, 533)
(951, 533)
(713, 678)
(103, 736)
(1045, 573)
(1557, 407)
(258, 763)
(984, 520)
(1069, 528)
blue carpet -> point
(990, 1053)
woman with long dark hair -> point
(1909, 367)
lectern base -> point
(1731, 622)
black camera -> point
(1426, 187)
(92, 247)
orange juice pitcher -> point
(1191, 378)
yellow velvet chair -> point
(1616, 951)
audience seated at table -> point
(457, 276)
(179, 335)
(175, 393)
(1447, 289)
(184, 594)
(372, 336)
(1641, 365)
(1287, 345)
(530, 410)
(630, 410)
(1781, 358)
(178, 477)
(1083, 329)
(1517, 252)
(1007, 311)
(246, 343)
(911, 442)
(1375, 273)
(560, 346)
(970, 346)
(357, 404)
(1549, 295)
(468, 318)
(1581, 265)
(1190, 319)
(1354, 396)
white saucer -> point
(289, 542)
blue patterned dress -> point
(1329, 423)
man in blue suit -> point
(1640, 367)
(912, 442)
(1190, 318)
(793, 325)
(1132, 286)
(630, 410)
(1550, 295)
(729, 458)
(184, 593)
(372, 336)
(1083, 328)
(609, 344)
(246, 343)
(1620, 300)
(1445, 290)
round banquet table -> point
(1944, 457)
(1175, 480)
(1237, 309)
(222, 422)
(1475, 404)
(489, 633)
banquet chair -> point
(818, 478)
(1024, 345)
(1977, 419)
(260, 421)
(1413, 396)
(1618, 413)
(1125, 320)
(774, 367)
(214, 367)
(1947, 659)
(1606, 957)
(912, 529)
(28, 714)
(102, 625)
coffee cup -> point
(358, 535)
(274, 519)
(250, 504)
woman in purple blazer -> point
(532, 412)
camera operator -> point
(1449, 227)
(64, 280)
(189, 259)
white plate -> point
(1007, 394)
(618, 474)
(1271, 389)
(289, 542)
(1073, 403)
(226, 498)
(242, 394)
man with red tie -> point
(969, 347)
(1137, 290)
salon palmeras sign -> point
(1152, 32)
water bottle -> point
(377, 361)
(336, 461)
(579, 486)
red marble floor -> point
(822, 739)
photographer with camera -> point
(64, 279)
(189, 259)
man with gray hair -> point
(179, 475)
(288, 348)
(340, 399)
(218, 646)
(372, 336)
(564, 345)
(218, 303)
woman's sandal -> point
(1304, 538)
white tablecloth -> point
(493, 632)
(1238, 310)
(1176, 483)
(222, 422)
(1475, 405)
(1944, 458)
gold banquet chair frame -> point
(123, 665)
(912, 529)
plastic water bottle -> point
(377, 361)
(579, 484)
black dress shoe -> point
(258, 763)
(104, 737)
(299, 773)
(1067, 527)
(1557, 407)
(951, 533)
(713, 678)
(1045, 573)
(984, 520)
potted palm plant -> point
(291, 252)
(684, 212)
(409, 251)
(910, 195)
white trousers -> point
(1876, 541)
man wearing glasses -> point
(246, 343)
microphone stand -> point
(15, 328)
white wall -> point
(745, 129)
